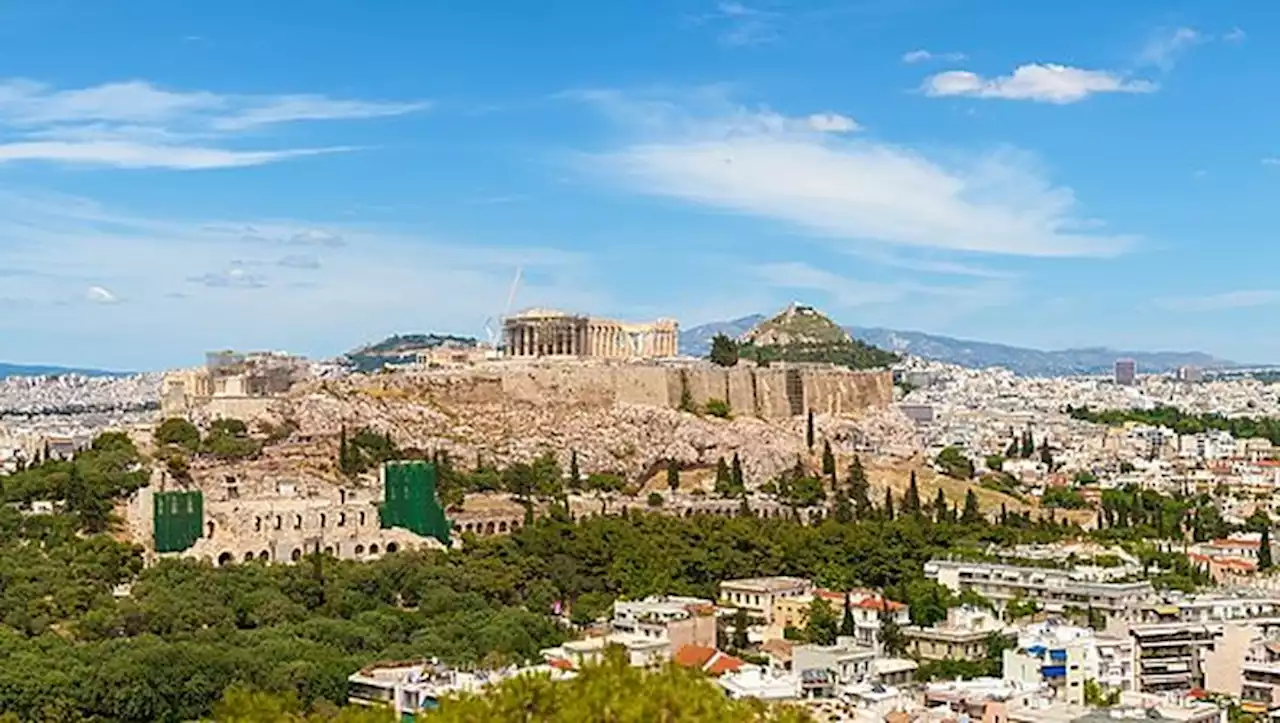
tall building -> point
(1126, 372)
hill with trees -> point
(799, 334)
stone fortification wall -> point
(753, 392)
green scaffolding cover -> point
(410, 500)
(179, 520)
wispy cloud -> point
(235, 276)
(739, 25)
(135, 124)
(1044, 83)
(1241, 299)
(833, 123)
(1271, 161)
(847, 190)
(924, 56)
(1235, 35)
(1166, 45)
(100, 295)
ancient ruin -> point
(551, 333)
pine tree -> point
(911, 502)
(575, 475)
(844, 513)
(673, 475)
(808, 435)
(1100, 525)
(1028, 444)
(1004, 515)
(1264, 550)
(940, 508)
(888, 504)
(1012, 451)
(847, 625)
(735, 475)
(972, 514)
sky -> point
(310, 176)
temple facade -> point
(549, 333)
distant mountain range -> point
(37, 370)
(976, 354)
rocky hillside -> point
(630, 440)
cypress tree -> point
(1004, 515)
(735, 475)
(847, 626)
(828, 461)
(673, 475)
(1264, 550)
(808, 435)
(575, 475)
(972, 514)
(940, 508)
(911, 502)
(1028, 444)
(888, 504)
(724, 480)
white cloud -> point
(1045, 83)
(299, 261)
(100, 295)
(922, 56)
(1271, 161)
(1242, 299)
(1235, 35)
(138, 155)
(1166, 45)
(833, 123)
(137, 125)
(851, 191)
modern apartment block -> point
(1171, 656)
(1126, 372)
(1054, 589)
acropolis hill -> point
(623, 407)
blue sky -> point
(176, 177)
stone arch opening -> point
(322, 520)
(209, 529)
(248, 556)
(264, 556)
(279, 522)
(342, 496)
(361, 519)
(257, 524)
(490, 528)
(328, 550)
(502, 526)
(297, 522)
(373, 549)
(392, 547)
(342, 519)
(295, 555)
(224, 559)
(359, 549)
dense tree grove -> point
(1184, 423)
(74, 646)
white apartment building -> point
(1064, 657)
(1054, 589)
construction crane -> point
(491, 332)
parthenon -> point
(551, 333)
